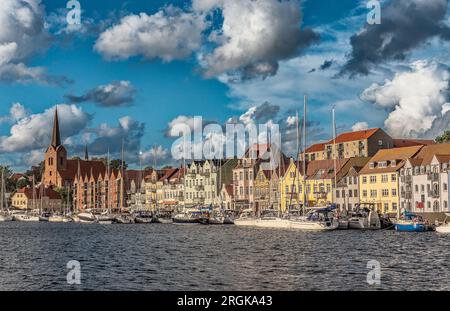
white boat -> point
(445, 227)
(124, 219)
(246, 218)
(343, 224)
(5, 217)
(59, 218)
(364, 218)
(188, 216)
(86, 217)
(316, 219)
(270, 219)
(25, 217)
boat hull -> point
(5, 218)
(143, 220)
(314, 225)
(185, 221)
(443, 229)
(415, 227)
(25, 218)
(161, 220)
(343, 225)
(245, 222)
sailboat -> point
(445, 227)
(4, 211)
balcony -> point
(434, 194)
(433, 177)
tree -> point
(10, 185)
(116, 164)
(444, 138)
(36, 171)
(22, 182)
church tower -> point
(55, 158)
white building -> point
(424, 180)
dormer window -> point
(393, 163)
(372, 165)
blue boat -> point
(411, 223)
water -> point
(182, 257)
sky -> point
(132, 70)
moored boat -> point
(124, 218)
(25, 217)
(188, 216)
(86, 217)
(246, 218)
(445, 226)
(316, 219)
(143, 217)
(5, 217)
(411, 223)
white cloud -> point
(360, 126)
(254, 37)
(16, 112)
(154, 155)
(22, 34)
(169, 34)
(415, 98)
(34, 131)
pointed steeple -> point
(86, 154)
(56, 138)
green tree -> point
(117, 163)
(36, 171)
(23, 182)
(444, 138)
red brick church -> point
(92, 183)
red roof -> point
(47, 192)
(400, 142)
(316, 147)
(357, 135)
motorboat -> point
(25, 217)
(45, 217)
(343, 223)
(87, 217)
(188, 216)
(162, 218)
(143, 217)
(270, 219)
(125, 219)
(5, 217)
(364, 218)
(445, 226)
(411, 223)
(246, 218)
(228, 217)
(316, 219)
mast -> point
(108, 205)
(304, 153)
(122, 172)
(1, 190)
(335, 157)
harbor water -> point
(34, 256)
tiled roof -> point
(443, 158)
(316, 147)
(357, 135)
(47, 192)
(400, 142)
(323, 169)
(427, 152)
(357, 163)
(398, 154)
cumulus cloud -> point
(16, 112)
(155, 155)
(254, 36)
(360, 126)
(404, 26)
(260, 114)
(169, 34)
(34, 131)
(118, 93)
(414, 98)
(23, 34)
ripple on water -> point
(170, 257)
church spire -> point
(86, 154)
(56, 138)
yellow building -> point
(25, 199)
(379, 178)
(320, 181)
(291, 186)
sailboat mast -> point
(1, 190)
(304, 152)
(335, 155)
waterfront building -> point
(320, 176)
(363, 143)
(424, 180)
(291, 185)
(346, 194)
(379, 178)
(173, 188)
(226, 197)
(262, 190)
(225, 181)
(201, 184)
(135, 189)
(42, 198)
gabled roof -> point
(46, 192)
(400, 155)
(357, 135)
(356, 163)
(427, 152)
(323, 169)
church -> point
(92, 183)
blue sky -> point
(161, 84)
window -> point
(386, 206)
(394, 192)
(385, 192)
(380, 142)
(394, 206)
(393, 177)
(384, 178)
(416, 188)
(355, 193)
(349, 193)
(364, 180)
(337, 194)
(373, 179)
(445, 204)
(444, 187)
(422, 188)
(373, 193)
